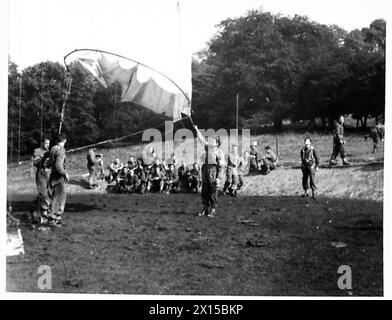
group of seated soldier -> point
(147, 173)
(141, 176)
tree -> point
(13, 108)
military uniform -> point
(132, 164)
(243, 169)
(41, 162)
(127, 182)
(310, 162)
(57, 181)
(171, 182)
(338, 144)
(183, 178)
(254, 160)
(146, 161)
(91, 162)
(195, 179)
(233, 161)
(114, 169)
(376, 133)
(156, 180)
(269, 162)
(211, 170)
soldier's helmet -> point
(254, 144)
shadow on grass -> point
(372, 166)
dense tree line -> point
(289, 68)
(282, 68)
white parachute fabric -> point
(154, 66)
(139, 83)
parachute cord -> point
(19, 114)
(113, 140)
(68, 84)
(42, 99)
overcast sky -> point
(48, 29)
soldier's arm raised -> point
(200, 136)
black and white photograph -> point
(195, 148)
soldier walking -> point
(376, 133)
(310, 162)
(58, 178)
(41, 162)
(338, 143)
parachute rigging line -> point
(137, 62)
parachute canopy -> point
(140, 84)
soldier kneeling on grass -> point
(310, 162)
(270, 161)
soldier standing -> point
(41, 162)
(243, 169)
(253, 158)
(58, 178)
(171, 182)
(146, 161)
(376, 133)
(310, 162)
(338, 143)
(211, 168)
(231, 182)
(93, 160)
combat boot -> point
(212, 213)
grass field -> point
(267, 241)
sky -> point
(147, 30)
